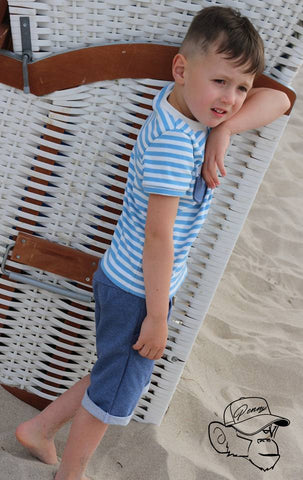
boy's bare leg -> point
(37, 434)
(85, 435)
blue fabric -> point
(200, 189)
(120, 374)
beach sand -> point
(250, 345)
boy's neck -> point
(175, 99)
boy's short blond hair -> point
(233, 33)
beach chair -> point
(91, 70)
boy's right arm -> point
(261, 107)
(158, 258)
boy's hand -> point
(152, 339)
(215, 150)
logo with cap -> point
(249, 431)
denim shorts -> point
(120, 375)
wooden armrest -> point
(107, 62)
(54, 258)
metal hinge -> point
(27, 54)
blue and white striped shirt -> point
(165, 160)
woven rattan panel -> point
(64, 160)
(63, 168)
(58, 26)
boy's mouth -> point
(218, 111)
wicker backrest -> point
(58, 26)
(63, 166)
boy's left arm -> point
(261, 107)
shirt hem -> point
(128, 290)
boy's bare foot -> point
(29, 435)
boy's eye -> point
(218, 80)
(243, 89)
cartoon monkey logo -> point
(248, 431)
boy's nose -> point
(228, 97)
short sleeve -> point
(168, 164)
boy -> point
(164, 207)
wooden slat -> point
(11, 71)
(3, 10)
(54, 258)
(107, 62)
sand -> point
(250, 345)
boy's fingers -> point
(159, 354)
(221, 168)
(155, 355)
(212, 181)
(138, 345)
(214, 174)
(210, 173)
(145, 352)
(142, 349)
(207, 177)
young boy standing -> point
(164, 207)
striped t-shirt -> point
(165, 160)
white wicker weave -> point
(60, 25)
(94, 127)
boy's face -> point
(211, 87)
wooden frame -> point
(88, 65)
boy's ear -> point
(178, 68)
